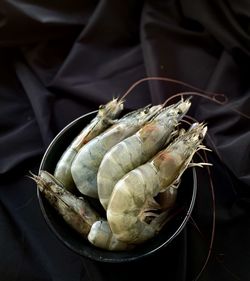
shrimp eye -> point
(200, 136)
(101, 106)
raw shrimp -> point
(86, 163)
(130, 210)
(101, 236)
(104, 118)
(76, 211)
(138, 148)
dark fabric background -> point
(61, 59)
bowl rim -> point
(101, 258)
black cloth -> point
(61, 59)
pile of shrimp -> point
(125, 163)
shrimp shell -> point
(86, 163)
(130, 212)
(138, 148)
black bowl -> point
(184, 205)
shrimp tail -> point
(102, 237)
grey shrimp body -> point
(130, 212)
(138, 148)
(86, 163)
(104, 118)
(75, 211)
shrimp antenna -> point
(220, 99)
(213, 98)
(165, 79)
(205, 159)
(213, 221)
